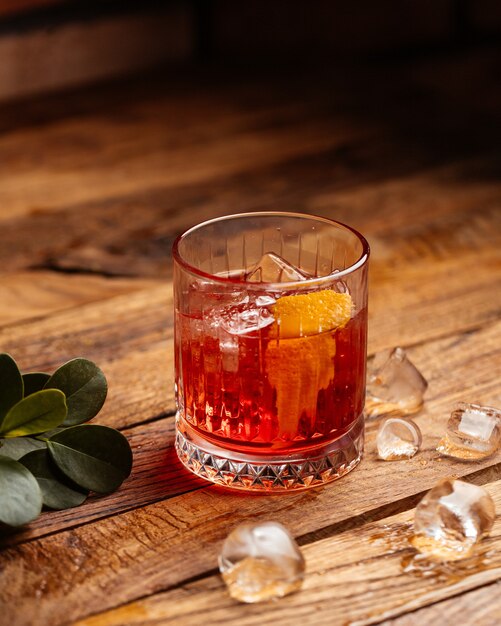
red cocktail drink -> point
(270, 357)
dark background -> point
(230, 106)
(52, 44)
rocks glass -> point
(270, 350)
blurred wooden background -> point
(53, 44)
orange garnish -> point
(312, 313)
(300, 360)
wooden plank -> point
(129, 336)
(140, 161)
(415, 301)
(357, 577)
(145, 550)
(28, 295)
(115, 549)
(479, 607)
(127, 156)
(438, 205)
(157, 474)
(72, 53)
(139, 142)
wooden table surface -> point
(94, 186)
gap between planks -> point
(356, 577)
(481, 477)
(136, 555)
(477, 603)
(157, 474)
(32, 296)
(427, 216)
(130, 335)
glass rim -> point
(229, 280)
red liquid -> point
(242, 391)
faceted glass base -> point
(270, 474)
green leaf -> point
(49, 433)
(19, 446)
(11, 384)
(85, 387)
(41, 411)
(95, 457)
(34, 381)
(20, 495)
(58, 492)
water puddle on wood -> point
(395, 538)
(448, 572)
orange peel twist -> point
(299, 359)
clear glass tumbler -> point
(270, 350)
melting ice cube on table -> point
(394, 385)
(260, 562)
(398, 439)
(451, 519)
(272, 268)
(473, 432)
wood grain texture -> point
(136, 553)
(94, 188)
(75, 53)
(158, 475)
(130, 335)
(438, 205)
(475, 607)
(357, 577)
(144, 148)
(28, 295)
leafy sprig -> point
(48, 457)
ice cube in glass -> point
(272, 268)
